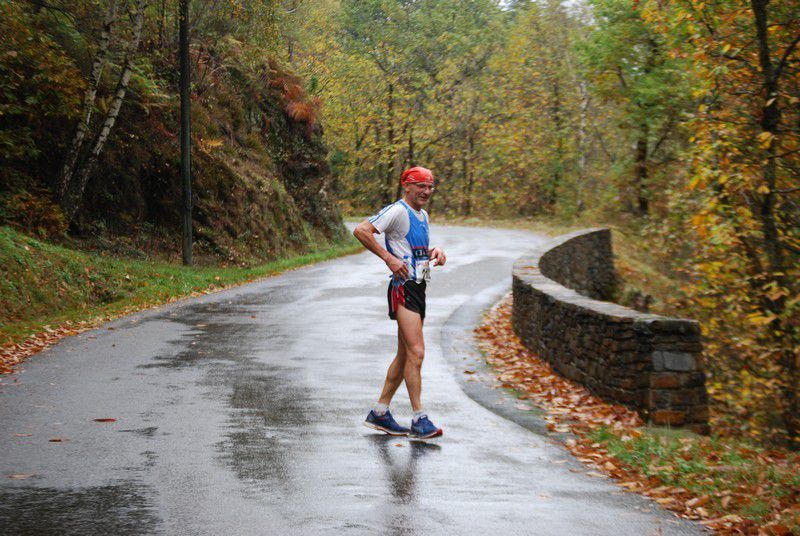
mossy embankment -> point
(263, 194)
(43, 285)
(262, 186)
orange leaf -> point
(698, 501)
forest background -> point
(675, 121)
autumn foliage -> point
(675, 121)
(296, 102)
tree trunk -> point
(390, 156)
(640, 171)
(186, 132)
(74, 196)
(409, 156)
(411, 146)
(555, 182)
(98, 64)
(379, 170)
(582, 146)
(162, 23)
(776, 256)
(469, 173)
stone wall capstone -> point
(650, 363)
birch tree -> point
(76, 174)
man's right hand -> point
(365, 232)
(398, 267)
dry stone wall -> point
(647, 362)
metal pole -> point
(186, 143)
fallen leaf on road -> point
(698, 501)
(106, 419)
(56, 440)
(21, 476)
(23, 435)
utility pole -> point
(186, 142)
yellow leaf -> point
(765, 138)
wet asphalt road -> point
(240, 413)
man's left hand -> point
(437, 256)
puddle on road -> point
(237, 354)
(121, 509)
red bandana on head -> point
(416, 174)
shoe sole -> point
(437, 433)
(384, 430)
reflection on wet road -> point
(240, 413)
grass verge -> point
(731, 483)
(48, 291)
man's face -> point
(419, 192)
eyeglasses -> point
(424, 186)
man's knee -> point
(415, 354)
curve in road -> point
(240, 413)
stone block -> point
(684, 397)
(677, 361)
(698, 414)
(688, 347)
(665, 380)
(658, 361)
(674, 326)
(672, 417)
(624, 346)
(627, 383)
(693, 379)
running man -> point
(405, 226)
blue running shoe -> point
(423, 429)
(385, 423)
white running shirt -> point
(393, 222)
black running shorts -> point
(410, 295)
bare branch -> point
(785, 58)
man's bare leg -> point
(410, 325)
(394, 376)
(379, 417)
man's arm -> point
(365, 232)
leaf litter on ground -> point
(755, 492)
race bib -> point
(422, 262)
(423, 270)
